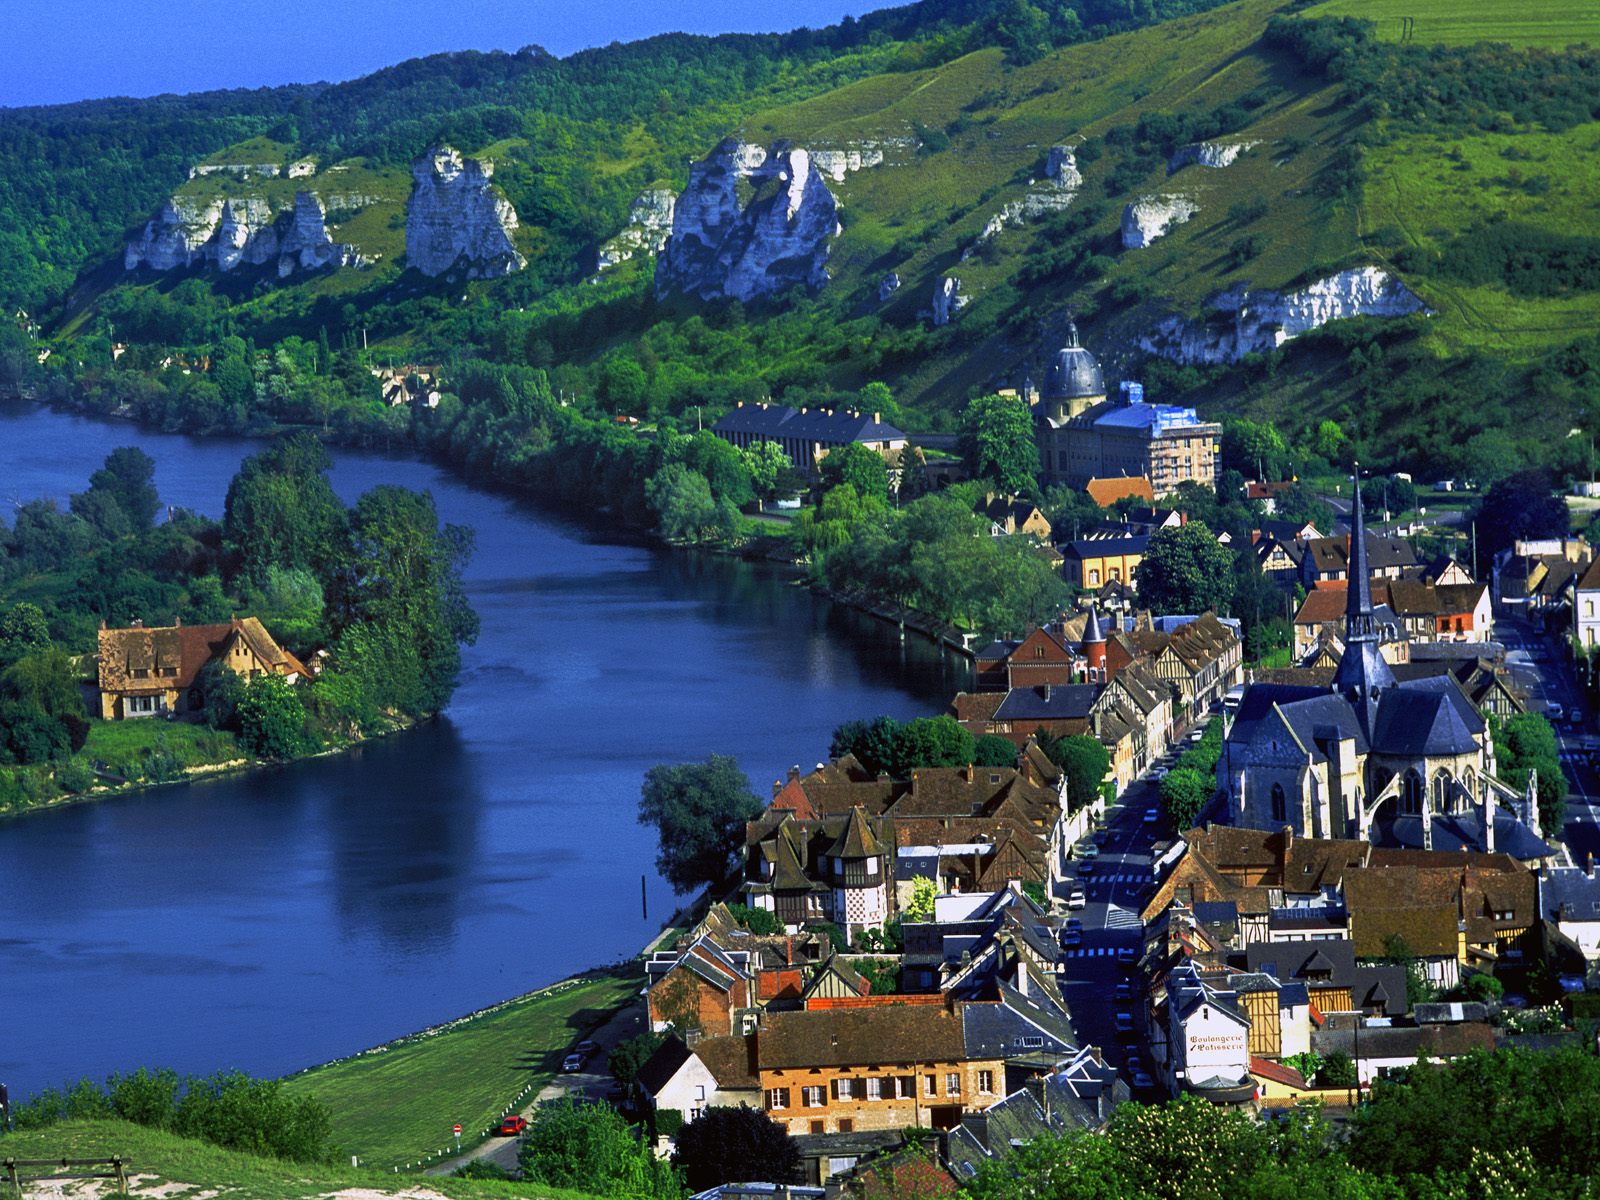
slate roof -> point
(1406, 1041)
(175, 654)
(1132, 543)
(665, 1063)
(1048, 703)
(777, 421)
(1568, 894)
(1454, 832)
(1427, 717)
(1383, 986)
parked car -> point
(1071, 937)
(1141, 1080)
(1554, 712)
(572, 1062)
(1152, 815)
(512, 1126)
(1086, 868)
(1127, 956)
(1124, 990)
(1087, 850)
(1125, 1025)
(1076, 898)
(1158, 774)
(585, 1048)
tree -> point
(997, 443)
(931, 742)
(628, 1058)
(1085, 761)
(684, 506)
(1255, 449)
(1185, 570)
(873, 743)
(41, 709)
(699, 810)
(122, 495)
(23, 630)
(281, 511)
(920, 905)
(733, 1145)
(590, 1148)
(859, 467)
(221, 689)
(767, 463)
(1525, 745)
(272, 720)
(1338, 1071)
(1520, 506)
(991, 750)
(1184, 794)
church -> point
(1399, 762)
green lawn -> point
(1556, 23)
(395, 1105)
(181, 1169)
(125, 745)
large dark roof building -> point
(806, 434)
(1397, 761)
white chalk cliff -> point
(1151, 217)
(948, 300)
(238, 231)
(649, 226)
(457, 219)
(1215, 155)
(1259, 321)
(749, 225)
(1054, 193)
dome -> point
(1073, 372)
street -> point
(1539, 664)
(1116, 888)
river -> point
(274, 920)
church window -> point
(1280, 803)
(1442, 791)
(1411, 793)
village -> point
(936, 965)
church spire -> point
(1362, 672)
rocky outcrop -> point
(1215, 155)
(305, 243)
(1055, 192)
(1151, 217)
(237, 170)
(457, 220)
(750, 224)
(649, 226)
(305, 168)
(1259, 321)
(948, 300)
(176, 236)
(239, 232)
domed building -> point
(1083, 435)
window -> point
(952, 1083)
(845, 1089)
(141, 704)
(905, 1087)
(777, 1098)
(846, 1125)
(874, 1088)
(818, 1126)
(813, 1097)
(985, 1083)
(700, 1091)
(1280, 803)
(930, 1085)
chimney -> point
(177, 622)
(877, 418)
(1588, 865)
(138, 623)
(794, 773)
(777, 786)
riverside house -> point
(155, 672)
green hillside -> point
(1550, 23)
(1465, 170)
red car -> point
(510, 1127)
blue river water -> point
(277, 919)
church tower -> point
(1363, 675)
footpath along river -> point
(273, 920)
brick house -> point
(155, 671)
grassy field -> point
(1553, 23)
(180, 1169)
(124, 745)
(1423, 191)
(394, 1105)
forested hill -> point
(74, 179)
(1194, 183)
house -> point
(849, 1066)
(715, 978)
(1007, 515)
(1280, 559)
(834, 867)
(716, 1072)
(1266, 494)
(1095, 561)
(1328, 558)
(1378, 1049)
(1106, 492)
(1322, 614)
(1207, 1042)
(1202, 659)
(1586, 606)
(1569, 899)
(155, 671)
(806, 435)
(1451, 612)
(1334, 980)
